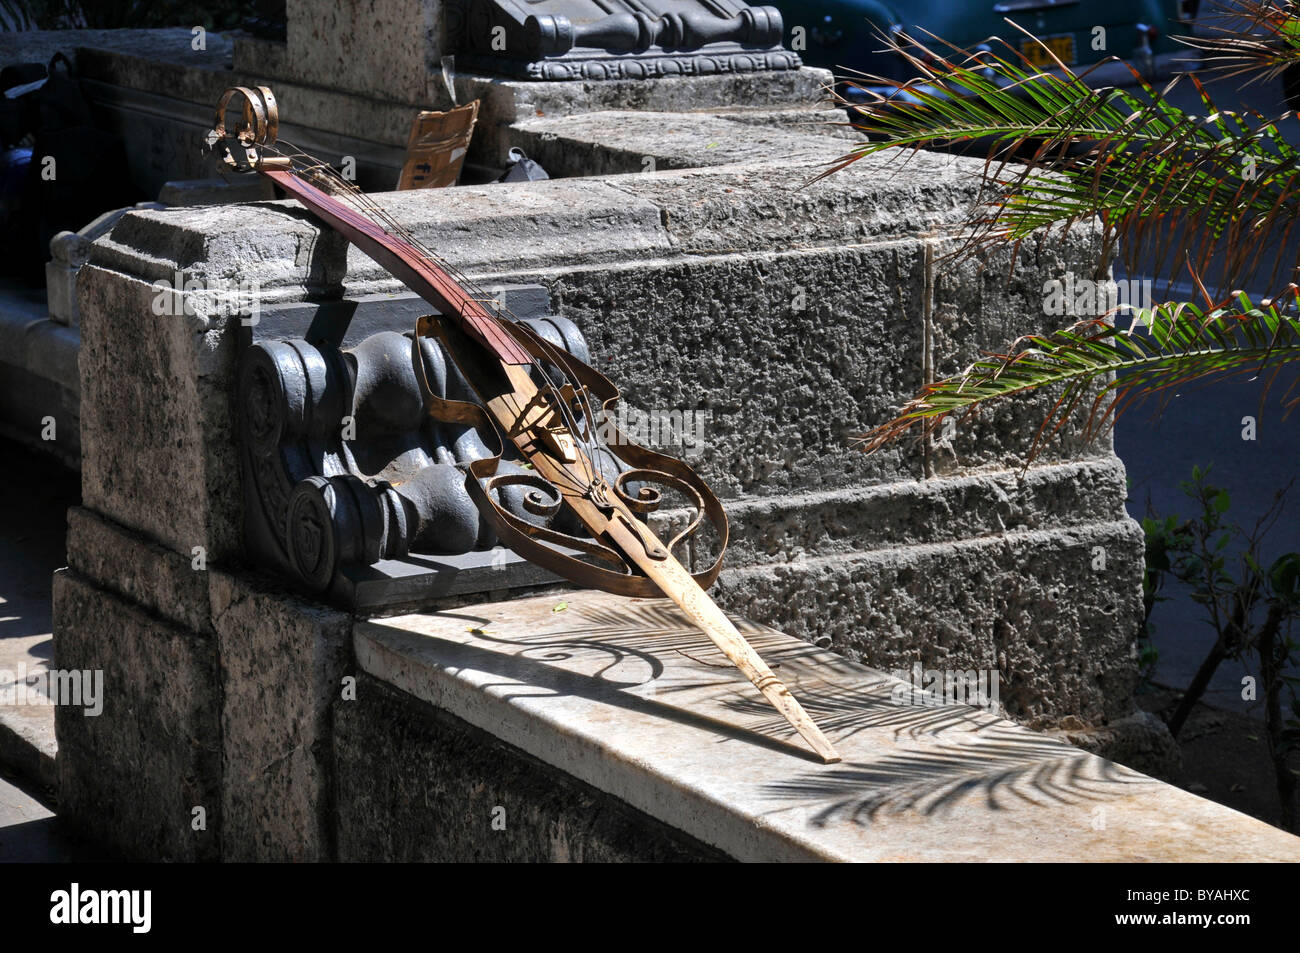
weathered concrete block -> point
(419, 784)
(788, 354)
(277, 251)
(1032, 605)
(507, 102)
(387, 51)
(767, 203)
(271, 667)
(819, 118)
(844, 521)
(156, 419)
(144, 776)
(282, 664)
(981, 305)
(290, 257)
(138, 570)
(610, 143)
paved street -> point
(35, 493)
(1204, 427)
(29, 831)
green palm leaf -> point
(1110, 368)
(1255, 38)
(1174, 186)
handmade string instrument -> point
(534, 395)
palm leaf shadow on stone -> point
(1005, 766)
(941, 755)
(848, 711)
(648, 631)
(635, 631)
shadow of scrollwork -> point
(646, 631)
(563, 650)
(638, 633)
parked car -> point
(844, 35)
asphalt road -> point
(1204, 427)
(29, 831)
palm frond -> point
(1254, 38)
(1112, 368)
(1177, 187)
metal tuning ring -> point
(240, 147)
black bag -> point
(19, 115)
(77, 172)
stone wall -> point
(215, 738)
(795, 315)
(421, 785)
(156, 89)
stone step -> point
(626, 697)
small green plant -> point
(1250, 606)
(1162, 537)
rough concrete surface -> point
(383, 51)
(249, 668)
(628, 697)
(418, 784)
(282, 665)
(153, 577)
(604, 143)
(143, 776)
(168, 435)
(1025, 604)
(506, 102)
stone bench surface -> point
(626, 696)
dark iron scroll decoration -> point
(341, 464)
(316, 501)
(617, 39)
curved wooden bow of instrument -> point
(536, 399)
